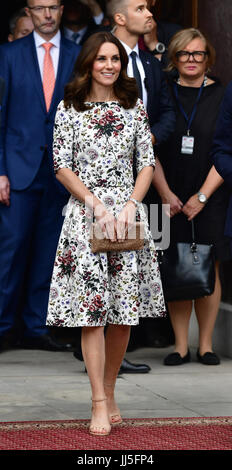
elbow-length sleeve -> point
(143, 143)
(63, 139)
(222, 143)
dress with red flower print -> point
(90, 289)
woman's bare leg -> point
(180, 313)
(116, 342)
(93, 350)
(206, 310)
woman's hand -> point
(192, 207)
(126, 218)
(106, 221)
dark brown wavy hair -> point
(76, 91)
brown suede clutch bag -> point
(135, 240)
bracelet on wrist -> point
(135, 202)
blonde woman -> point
(191, 184)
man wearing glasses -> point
(35, 69)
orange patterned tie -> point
(48, 75)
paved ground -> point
(41, 385)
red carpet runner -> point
(132, 434)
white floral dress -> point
(119, 287)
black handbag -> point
(187, 270)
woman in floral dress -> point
(99, 127)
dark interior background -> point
(214, 18)
(176, 11)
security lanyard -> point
(189, 119)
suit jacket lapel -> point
(148, 77)
(30, 58)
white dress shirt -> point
(99, 18)
(140, 67)
(54, 51)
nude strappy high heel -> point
(99, 430)
(116, 417)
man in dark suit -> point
(2, 89)
(131, 19)
(35, 69)
(77, 21)
(222, 150)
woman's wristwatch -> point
(202, 197)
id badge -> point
(187, 145)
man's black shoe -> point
(7, 342)
(44, 342)
(129, 368)
(126, 366)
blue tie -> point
(75, 36)
(136, 73)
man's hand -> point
(151, 39)
(175, 203)
(4, 190)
